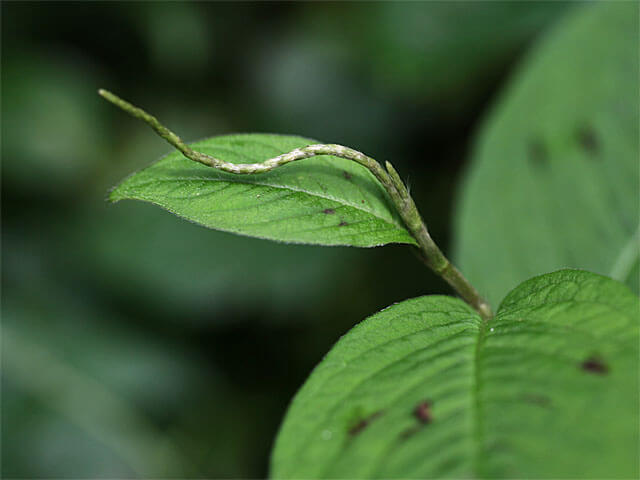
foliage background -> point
(136, 344)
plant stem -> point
(430, 253)
(427, 250)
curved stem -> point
(428, 251)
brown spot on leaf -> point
(362, 424)
(538, 154)
(588, 140)
(346, 175)
(410, 431)
(595, 365)
(328, 211)
(343, 224)
(423, 412)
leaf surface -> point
(321, 200)
(425, 389)
(554, 181)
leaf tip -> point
(114, 195)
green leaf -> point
(555, 176)
(444, 52)
(321, 200)
(425, 389)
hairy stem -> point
(427, 250)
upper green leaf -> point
(321, 200)
(555, 176)
(425, 389)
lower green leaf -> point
(547, 388)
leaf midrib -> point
(476, 417)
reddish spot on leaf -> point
(362, 424)
(423, 412)
(343, 224)
(328, 211)
(595, 365)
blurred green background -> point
(136, 344)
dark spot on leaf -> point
(361, 201)
(538, 154)
(343, 224)
(346, 175)
(423, 412)
(328, 211)
(588, 140)
(362, 424)
(410, 431)
(595, 365)
(537, 399)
